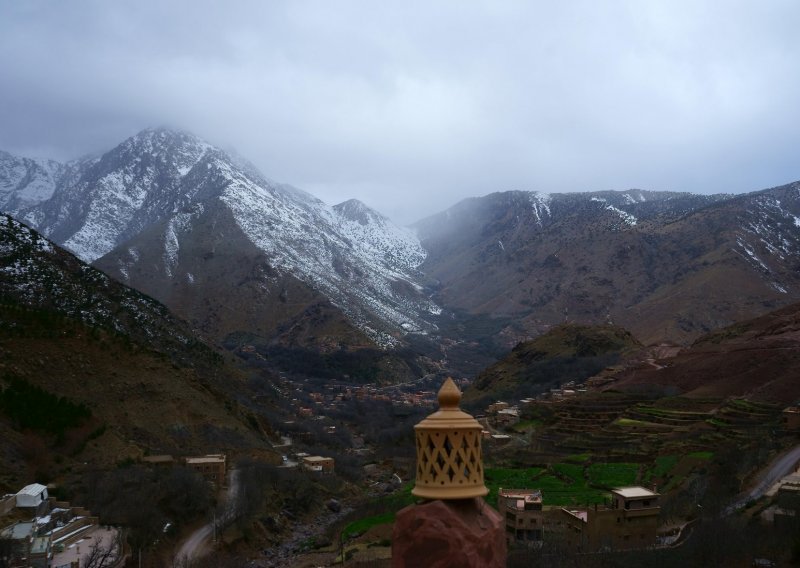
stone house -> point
(211, 466)
(522, 511)
(318, 463)
(629, 522)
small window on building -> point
(645, 503)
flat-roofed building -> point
(791, 418)
(39, 555)
(522, 511)
(318, 463)
(630, 521)
(210, 466)
(496, 407)
(32, 495)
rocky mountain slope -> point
(757, 358)
(243, 258)
(74, 333)
(664, 265)
(156, 209)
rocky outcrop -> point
(464, 533)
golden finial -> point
(449, 395)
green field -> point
(663, 465)
(613, 474)
(363, 525)
(561, 484)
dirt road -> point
(199, 542)
(780, 467)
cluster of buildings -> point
(50, 533)
(630, 521)
(334, 395)
(212, 467)
(502, 414)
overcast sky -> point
(412, 106)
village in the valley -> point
(40, 531)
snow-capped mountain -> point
(166, 181)
(235, 253)
(664, 265)
(39, 275)
(25, 182)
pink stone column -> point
(463, 533)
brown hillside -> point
(139, 400)
(228, 286)
(149, 384)
(758, 358)
(567, 352)
(668, 267)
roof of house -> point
(518, 497)
(40, 545)
(207, 459)
(19, 530)
(634, 492)
(316, 459)
(578, 514)
(32, 489)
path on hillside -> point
(780, 467)
(197, 544)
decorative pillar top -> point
(449, 463)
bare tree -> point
(104, 556)
(7, 550)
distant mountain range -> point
(667, 266)
(240, 256)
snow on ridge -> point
(624, 215)
(368, 269)
(26, 182)
(357, 266)
(133, 190)
(540, 204)
(375, 236)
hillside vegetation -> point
(567, 352)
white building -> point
(32, 495)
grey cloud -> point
(411, 106)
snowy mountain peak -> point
(168, 181)
(25, 182)
(358, 211)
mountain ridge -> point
(170, 179)
(155, 210)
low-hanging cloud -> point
(412, 106)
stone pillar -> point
(454, 527)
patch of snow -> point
(540, 204)
(624, 215)
(779, 288)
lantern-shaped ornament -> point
(449, 464)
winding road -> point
(780, 467)
(197, 544)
